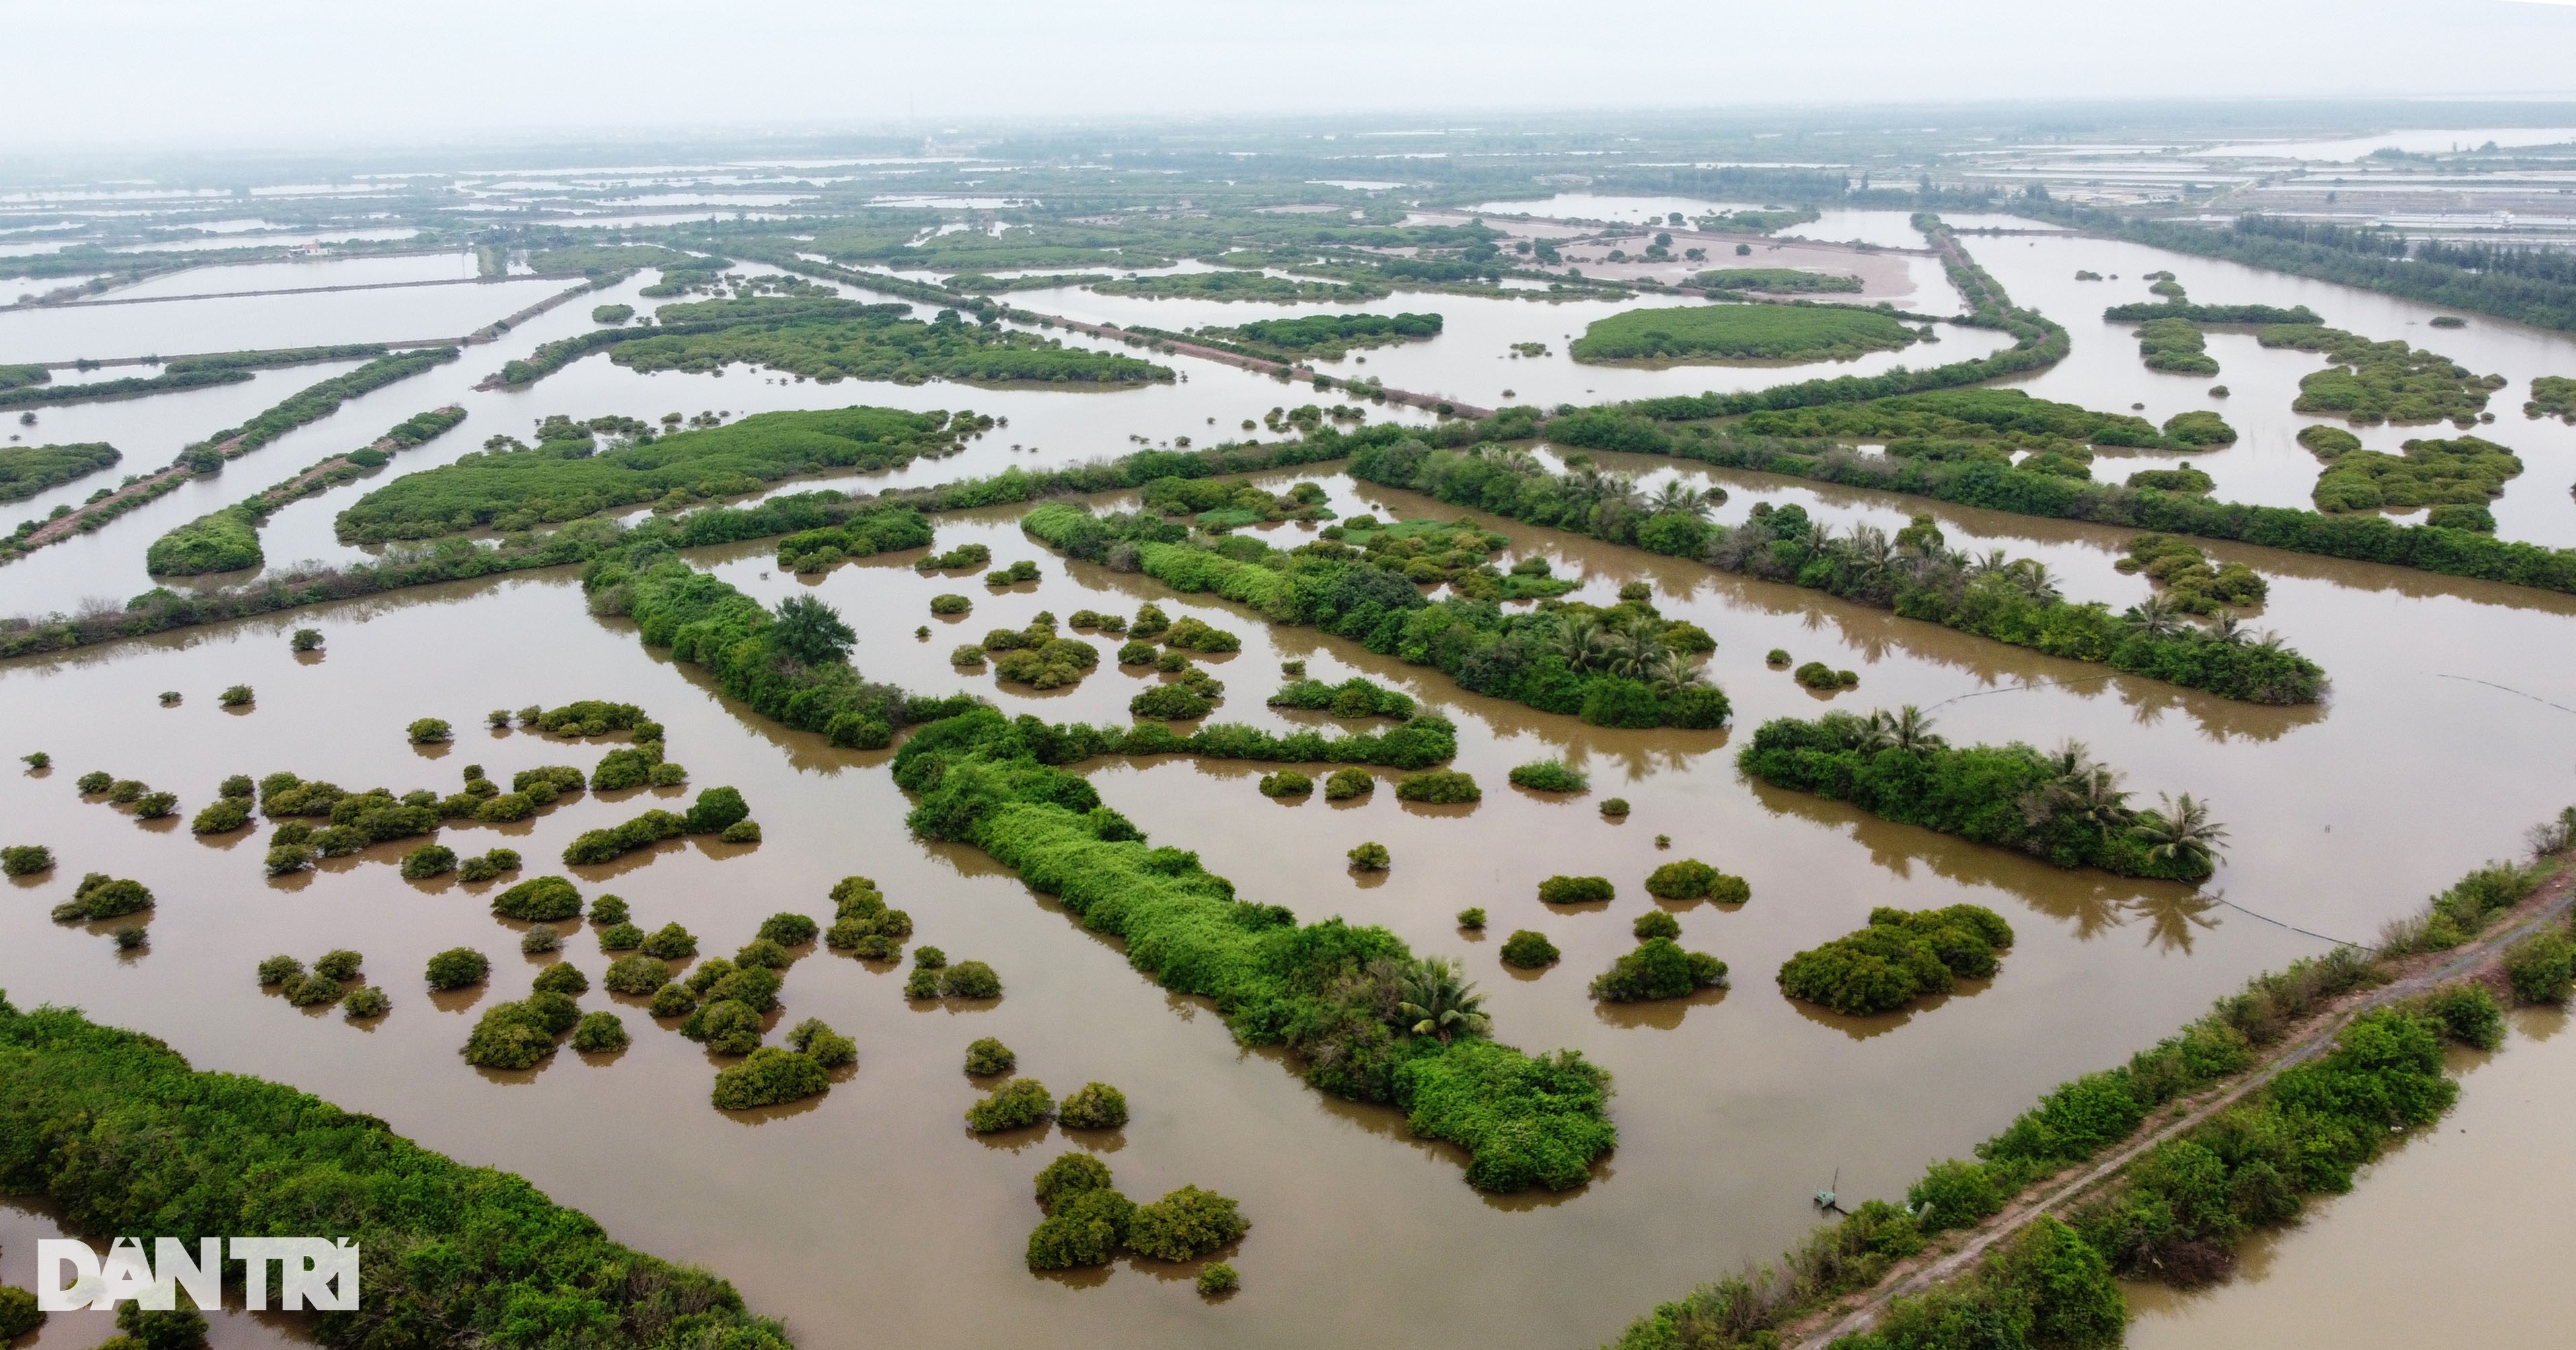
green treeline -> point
(1329, 335)
(1623, 666)
(2004, 487)
(2176, 345)
(1740, 333)
(2059, 807)
(185, 372)
(558, 481)
(1954, 424)
(1243, 286)
(126, 1138)
(834, 339)
(2145, 310)
(228, 540)
(1777, 280)
(975, 283)
(1324, 990)
(2374, 382)
(602, 260)
(26, 470)
(312, 403)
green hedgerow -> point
(458, 967)
(769, 1076)
(970, 979)
(1286, 783)
(819, 1043)
(1438, 787)
(1219, 1278)
(1370, 857)
(1564, 890)
(1093, 1106)
(428, 860)
(1529, 950)
(1347, 783)
(26, 860)
(638, 976)
(1659, 968)
(1017, 1103)
(599, 1032)
(365, 1001)
(1548, 775)
(563, 977)
(1086, 1228)
(989, 1056)
(1656, 923)
(1472, 917)
(1184, 1225)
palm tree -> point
(1878, 732)
(1912, 730)
(1627, 652)
(1673, 672)
(2031, 575)
(1872, 553)
(1675, 496)
(2154, 617)
(1818, 540)
(1574, 639)
(2181, 832)
(1989, 563)
(2230, 629)
(1440, 1001)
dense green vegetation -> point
(1691, 879)
(2551, 396)
(2372, 382)
(227, 540)
(185, 372)
(1325, 337)
(311, 404)
(1777, 280)
(2175, 345)
(1969, 424)
(2147, 311)
(121, 1134)
(1740, 333)
(2062, 807)
(1315, 989)
(834, 339)
(1621, 666)
(1658, 969)
(2192, 583)
(1244, 286)
(1898, 958)
(600, 261)
(2464, 471)
(26, 470)
(519, 489)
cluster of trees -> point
(832, 339)
(2192, 583)
(1328, 336)
(1369, 1020)
(1957, 423)
(2552, 396)
(1898, 957)
(26, 470)
(2463, 471)
(2061, 806)
(1741, 333)
(311, 404)
(1777, 280)
(821, 550)
(1088, 1222)
(521, 489)
(2146, 310)
(228, 539)
(2375, 382)
(2175, 345)
(185, 372)
(126, 1138)
(1623, 666)
(1244, 286)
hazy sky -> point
(314, 73)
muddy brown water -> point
(870, 1214)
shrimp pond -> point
(869, 1214)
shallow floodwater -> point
(67, 332)
(305, 274)
(869, 1216)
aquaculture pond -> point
(1732, 1104)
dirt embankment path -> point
(2414, 975)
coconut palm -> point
(1574, 639)
(1993, 562)
(1877, 732)
(1440, 1001)
(2230, 629)
(1675, 496)
(1873, 555)
(1912, 730)
(2181, 832)
(1628, 651)
(1673, 672)
(2031, 576)
(2154, 617)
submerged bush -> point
(458, 967)
(429, 731)
(223, 815)
(26, 860)
(364, 1002)
(819, 1043)
(1286, 783)
(673, 1000)
(539, 900)
(1528, 949)
(2469, 1014)
(2542, 967)
(1219, 1278)
(1472, 917)
(639, 976)
(970, 979)
(1691, 879)
(1017, 1103)
(1548, 775)
(1659, 968)
(1564, 890)
(428, 860)
(539, 940)
(1085, 1228)
(1347, 783)
(989, 1056)
(1370, 857)
(280, 970)
(155, 805)
(763, 954)
(1656, 923)
(621, 937)
(609, 910)
(1184, 1225)
(509, 1036)
(1438, 787)
(768, 1077)
(598, 1032)
(921, 984)
(563, 977)
(339, 964)
(727, 1027)
(1898, 958)
(100, 896)
(671, 941)
(789, 929)
(950, 604)
(1093, 1106)
(1071, 1174)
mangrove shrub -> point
(1093, 1106)
(1658, 968)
